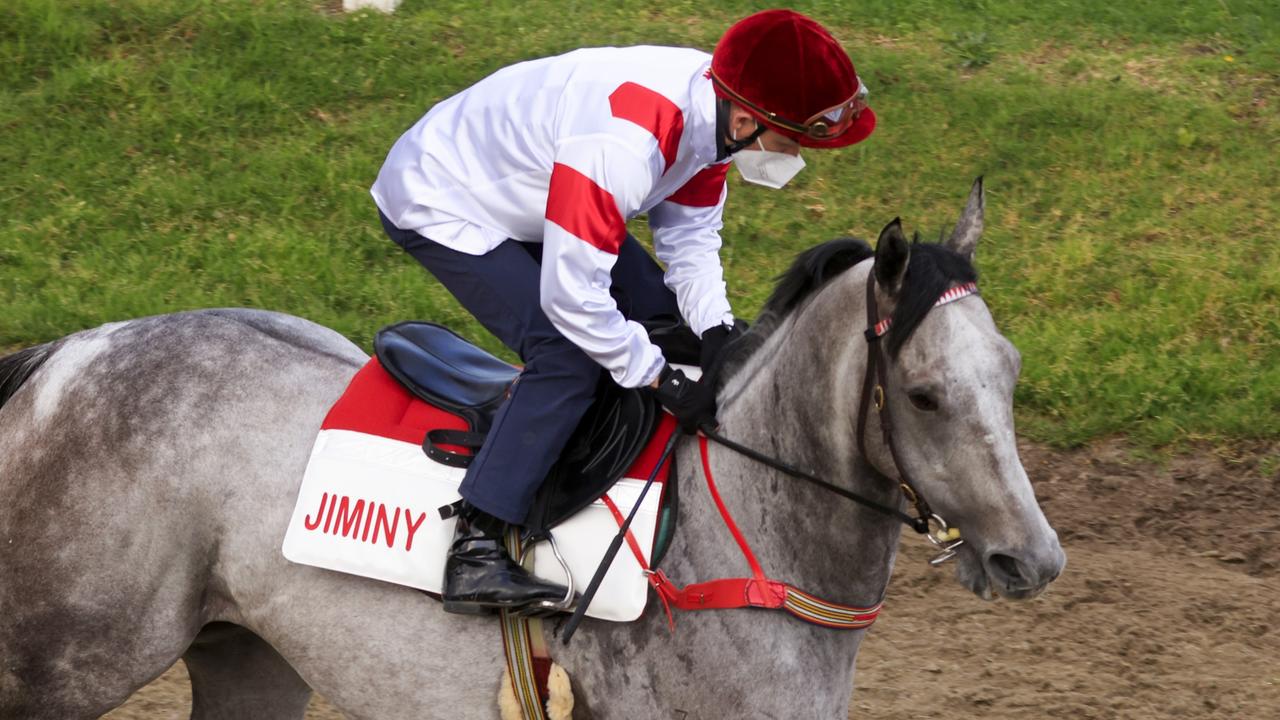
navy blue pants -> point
(558, 383)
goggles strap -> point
(807, 128)
(724, 146)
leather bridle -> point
(875, 390)
(875, 383)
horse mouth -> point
(970, 574)
(1024, 593)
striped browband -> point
(951, 295)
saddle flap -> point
(441, 367)
(608, 440)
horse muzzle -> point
(1017, 574)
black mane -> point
(812, 269)
(931, 269)
(16, 368)
(809, 272)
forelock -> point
(931, 270)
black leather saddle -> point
(442, 368)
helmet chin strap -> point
(725, 147)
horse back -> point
(128, 453)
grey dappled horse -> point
(148, 470)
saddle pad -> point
(369, 498)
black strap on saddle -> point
(435, 440)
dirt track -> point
(1169, 607)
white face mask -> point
(766, 167)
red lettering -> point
(368, 523)
(333, 502)
(388, 531)
(412, 527)
(348, 519)
(306, 519)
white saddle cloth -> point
(368, 506)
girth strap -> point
(528, 662)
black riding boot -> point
(479, 575)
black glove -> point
(714, 341)
(693, 403)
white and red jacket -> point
(564, 151)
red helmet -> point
(793, 76)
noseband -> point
(875, 389)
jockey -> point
(515, 195)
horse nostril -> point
(1008, 567)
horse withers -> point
(148, 470)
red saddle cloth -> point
(377, 404)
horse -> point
(148, 469)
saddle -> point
(443, 369)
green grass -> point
(159, 155)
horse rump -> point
(16, 368)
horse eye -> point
(922, 401)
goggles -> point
(822, 125)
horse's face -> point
(951, 399)
(952, 407)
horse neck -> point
(797, 399)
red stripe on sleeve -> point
(703, 189)
(654, 113)
(584, 209)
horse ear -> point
(892, 253)
(964, 239)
